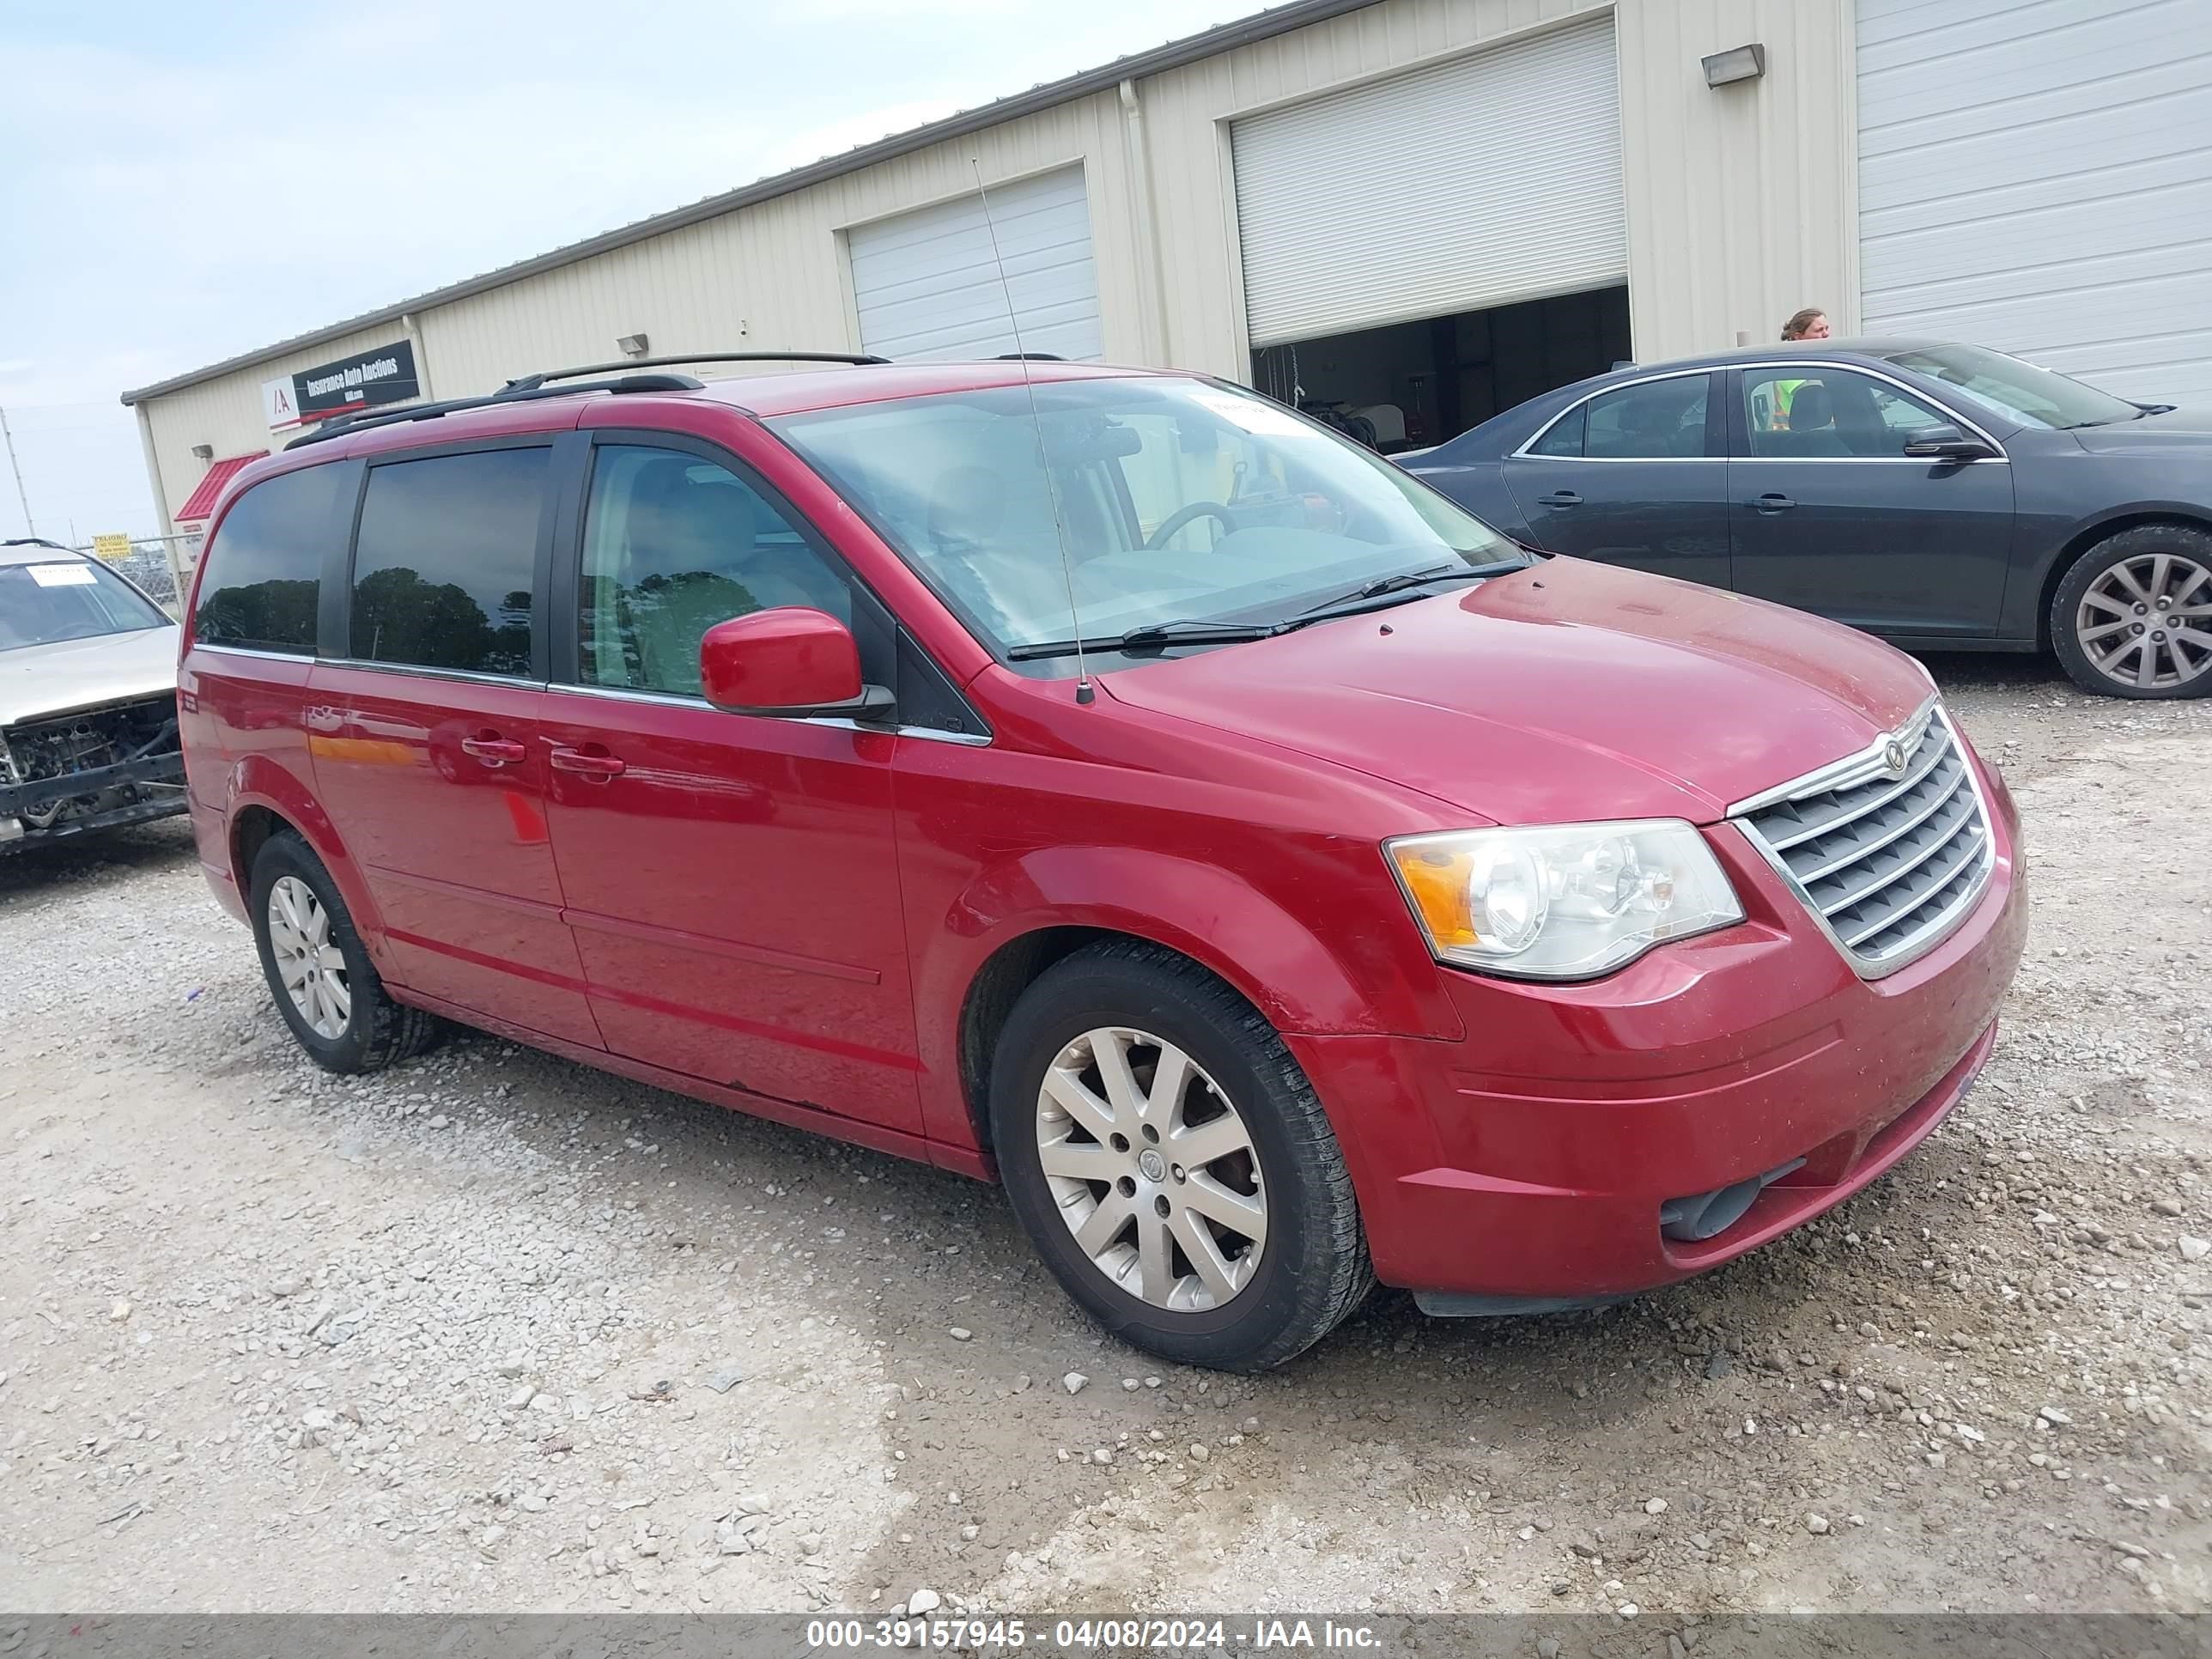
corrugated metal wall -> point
(1742, 200)
(1972, 227)
(1741, 207)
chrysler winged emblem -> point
(1895, 758)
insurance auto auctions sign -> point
(384, 375)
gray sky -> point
(182, 183)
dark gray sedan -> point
(1946, 497)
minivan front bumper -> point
(1529, 1164)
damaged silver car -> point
(87, 698)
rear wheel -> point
(2133, 617)
(1169, 1160)
(325, 987)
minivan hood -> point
(38, 680)
(1565, 692)
(2177, 429)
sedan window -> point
(1820, 413)
(1562, 438)
(1653, 420)
(2014, 391)
(1649, 421)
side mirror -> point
(1945, 442)
(790, 661)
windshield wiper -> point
(1158, 635)
(1151, 637)
(1361, 598)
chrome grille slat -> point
(1964, 823)
(1860, 851)
(1924, 761)
(1914, 896)
(1887, 865)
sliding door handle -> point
(593, 763)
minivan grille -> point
(1890, 861)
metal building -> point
(1429, 210)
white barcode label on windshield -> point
(63, 575)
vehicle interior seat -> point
(696, 554)
(1811, 432)
(969, 539)
(1858, 422)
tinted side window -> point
(674, 543)
(1657, 420)
(263, 572)
(1830, 413)
(1565, 437)
(446, 564)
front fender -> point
(1369, 982)
(2059, 534)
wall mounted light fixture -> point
(630, 345)
(1736, 63)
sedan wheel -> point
(2133, 615)
(309, 961)
(2145, 624)
(1152, 1168)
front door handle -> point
(592, 762)
(1560, 498)
(495, 751)
(1773, 501)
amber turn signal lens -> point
(1436, 877)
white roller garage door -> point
(1487, 179)
(2036, 175)
(927, 285)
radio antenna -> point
(1084, 692)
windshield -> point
(1177, 501)
(2014, 391)
(68, 600)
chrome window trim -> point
(429, 671)
(837, 722)
(2001, 459)
(1857, 769)
(305, 655)
(1523, 454)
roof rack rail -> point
(531, 382)
(513, 392)
(1029, 357)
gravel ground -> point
(462, 1336)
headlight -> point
(1565, 900)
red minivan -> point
(1113, 784)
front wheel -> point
(2133, 617)
(1169, 1160)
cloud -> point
(194, 185)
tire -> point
(1261, 1304)
(374, 1030)
(2116, 588)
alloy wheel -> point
(2147, 621)
(309, 961)
(1152, 1168)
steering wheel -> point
(1183, 516)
